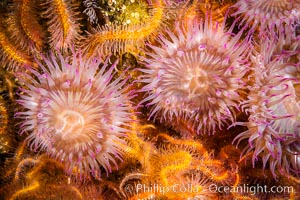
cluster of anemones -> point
(75, 112)
(196, 75)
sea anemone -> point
(288, 44)
(196, 75)
(273, 107)
(76, 113)
(292, 150)
(270, 14)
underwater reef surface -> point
(149, 99)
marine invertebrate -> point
(46, 179)
(23, 25)
(7, 122)
(168, 164)
(291, 147)
(4, 117)
(138, 148)
(79, 116)
(91, 5)
(199, 8)
(273, 124)
(272, 14)
(76, 113)
(197, 158)
(118, 39)
(193, 185)
(63, 23)
(287, 45)
(175, 165)
(12, 57)
(158, 164)
(195, 75)
(8, 85)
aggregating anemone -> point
(273, 108)
(196, 73)
(269, 15)
(76, 113)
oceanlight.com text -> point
(212, 188)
